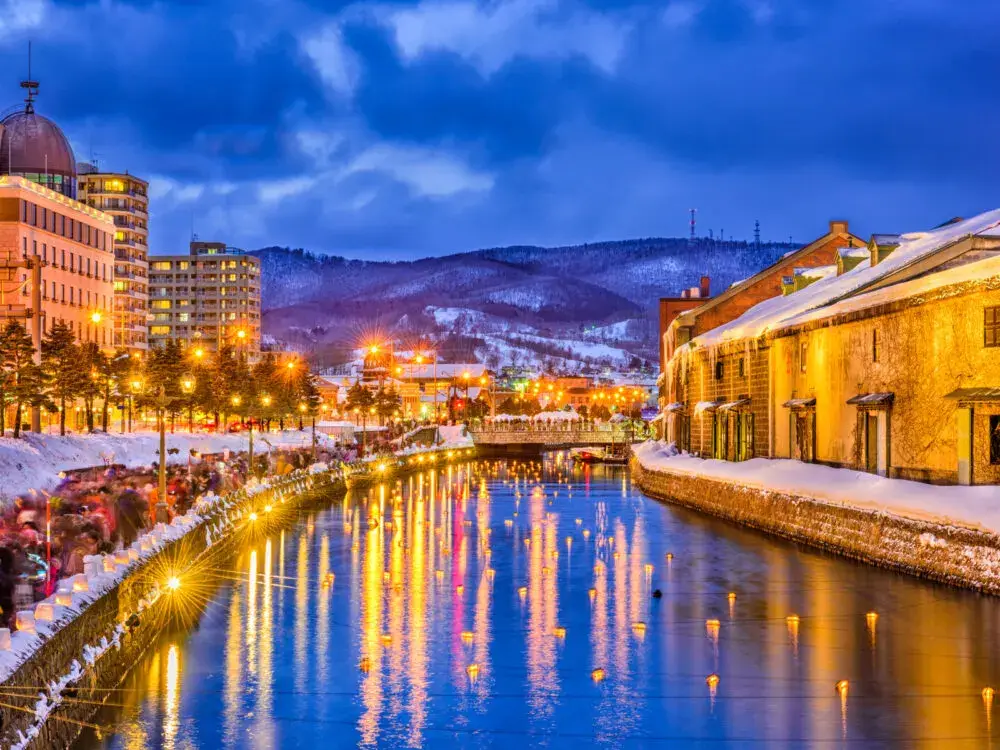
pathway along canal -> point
(443, 627)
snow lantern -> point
(109, 564)
(45, 612)
(93, 565)
(122, 557)
(133, 554)
(25, 621)
(79, 583)
(64, 598)
(4, 639)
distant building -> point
(209, 298)
(125, 198)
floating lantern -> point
(599, 567)
(385, 576)
(648, 567)
(569, 542)
(586, 534)
(522, 591)
(597, 675)
(365, 664)
(109, 564)
(792, 620)
(579, 521)
(871, 618)
(133, 554)
(122, 558)
(467, 636)
(988, 692)
(731, 596)
(439, 574)
(639, 627)
(508, 522)
(490, 574)
(25, 621)
(559, 632)
(44, 612)
(174, 583)
(617, 555)
(253, 516)
(473, 671)
(712, 681)
(268, 508)
(712, 625)
(386, 639)
(527, 541)
(460, 589)
(592, 593)
(842, 687)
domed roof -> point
(33, 144)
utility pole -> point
(756, 234)
(693, 212)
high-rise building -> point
(48, 237)
(207, 299)
(125, 198)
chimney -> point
(705, 287)
(685, 293)
(838, 227)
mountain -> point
(582, 304)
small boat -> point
(613, 454)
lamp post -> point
(161, 496)
(187, 385)
(136, 387)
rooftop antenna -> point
(693, 212)
(31, 86)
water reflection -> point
(491, 604)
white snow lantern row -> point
(122, 558)
(25, 620)
(109, 564)
(4, 639)
(44, 612)
(145, 543)
(79, 582)
(64, 598)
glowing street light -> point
(199, 353)
(95, 317)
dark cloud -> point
(571, 122)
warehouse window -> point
(991, 327)
(995, 439)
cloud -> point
(17, 16)
(333, 58)
(278, 190)
(681, 13)
(489, 36)
(428, 173)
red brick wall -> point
(767, 287)
(670, 308)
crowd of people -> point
(46, 536)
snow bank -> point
(972, 507)
(556, 416)
(34, 462)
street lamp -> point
(161, 498)
(136, 388)
(187, 385)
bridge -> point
(532, 439)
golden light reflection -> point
(171, 699)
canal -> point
(513, 605)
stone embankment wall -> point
(950, 554)
(72, 686)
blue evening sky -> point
(413, 128)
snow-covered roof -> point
(816, 300)
(441, 371)
(816, 272)
(853, 252)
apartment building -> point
(206, 299)
(125, 198)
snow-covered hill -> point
(567, 297)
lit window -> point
(803, 351)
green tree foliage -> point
(23, 381)
(63, 366)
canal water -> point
(502, 605)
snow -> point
(556, 416)
(976, 271)
(971, 507)
(35, 460)
(454, 436)
(778, 311)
